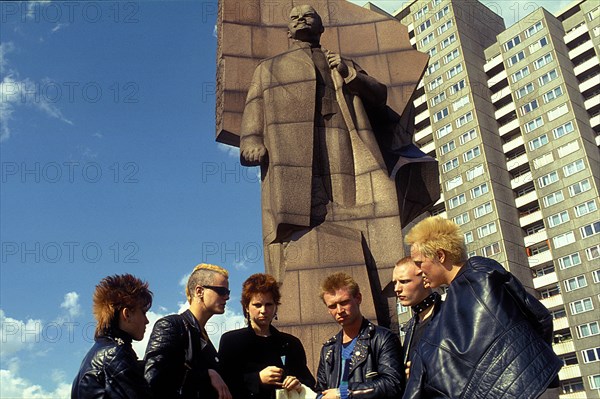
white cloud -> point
(232, 151)
(14, 386)
(34, 7)
(17, 335)
(71, 304)
(5, 48)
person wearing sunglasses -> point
(111, 368)
(181, 362)
(259, 359)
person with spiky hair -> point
(181, 362)
(111, 368)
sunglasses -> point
(221, 291)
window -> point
(530, 106)
(538, 45)
(538, 142)
(445, 26)
(473, 173)
(462, 218)
(469, 237)
(516, 58)
(581, 306)
(588, 329)
(490, 250)
(557, 112)
(550, 292)
(585, 208)
(558, 219)
(464, 119)
(553, 198)
(454, 182)
(543, 160)
(572, 386)
(436, 83)
(593, 253)
(486, 230)
(558, 313)
(591, 355)
(433, 67)
(468, 136)
(568, 148)
(419, 14)
(479, 190)
(472, 153)
(455, 70)
(563, 239)
(569, 261)
(545, 60)
(456, 201)
(451, 164)
(594, 379)
(448, 41)
(534, 124)
(446, 148)
(441, 132)
(427, 39)
(548, 179)
(483, 209)
(424, 26)
(461, 102)
(532, 30)
(512, 43)
(590, 229)
(455, 88)
(438, 99)
(432, 51)
(436, 3)
(440, 14)
(596, 276)
(523, 91)
(451, 56)
(574, 167)
(520, 74)
(553, 94)
(562, 130)
(575, 283)
(579, 187)
(548, 77)
(441, 114)
(545, 271)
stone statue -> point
(340, 175)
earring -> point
(276, 317)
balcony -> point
(575, 33)
(422, 99)
(509, 127)
(499, 95)
(568, 372)
(508, 108)
(535, 238)
(531, 218)
(494, 62)
(589, 84)
(560, 324)
(593, 101)
(424, 135)
(520, 180)
(440, 200)
(494, 80)
(573, 395)
(582, 48)
(553, 302)
(429, 148)
(514, 143)
(526, 199)
(516, 162)
(539, 282)
(539, 259)
(413, 41)
(422, 116)
(594, 122)
(589, 64)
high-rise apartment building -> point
(513, 117)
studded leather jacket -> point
(375, 364)
(111, 370)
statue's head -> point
(305, 24)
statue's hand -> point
(254, 154)
(336, 61)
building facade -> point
(513, 117)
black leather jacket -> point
(490, 339)
(165, 359)
(375, 364)
(111, 370)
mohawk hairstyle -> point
(115, 293)
(202, 274)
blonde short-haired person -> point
(111, 368)
(490, 339)
(362, 360)
(181, 362)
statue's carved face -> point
(305, 24)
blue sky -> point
(109, 165)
